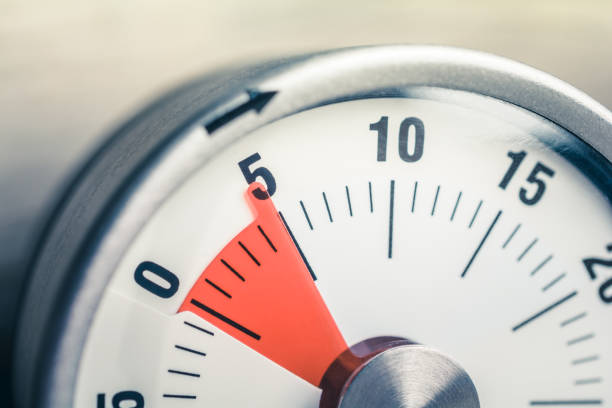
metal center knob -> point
(410, 376)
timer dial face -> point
(452, 220)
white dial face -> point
(444, 224)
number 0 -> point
(154, 287)
(419, 139)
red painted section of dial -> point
(277, 309)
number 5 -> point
(262, 172)
(533, 178)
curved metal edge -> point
(72, 243)
(471, 71)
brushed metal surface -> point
(411, 376)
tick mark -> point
(587, 381)
(433, 208)
(225, 319)
(371, 201)
(514, 231)
(306, 215)
(244, 248)
(391, 204)
(566, 402)
(228, 266)
(545, 310)
(179, 396)
(267, 239)
(214, 285)
(580, 339)
(541, 265)
(199, 328)
(522, 255)
(189, 350)
(348, 199)
(467, 267)
(475, 214)
(456, 205)
(573, 319)
(327, 207)
(184, 373)
(585, 360)
(414, 195)
(314, 277)
(553, 282)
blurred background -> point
(71, 70)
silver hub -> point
(410, 376)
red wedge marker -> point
(259, 290)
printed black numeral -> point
(517, 159)
(533, 178)
(251, 176)
(382, 127)
(605, 290)
(133, 398)
(165, 291)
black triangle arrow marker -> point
(257, 101)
